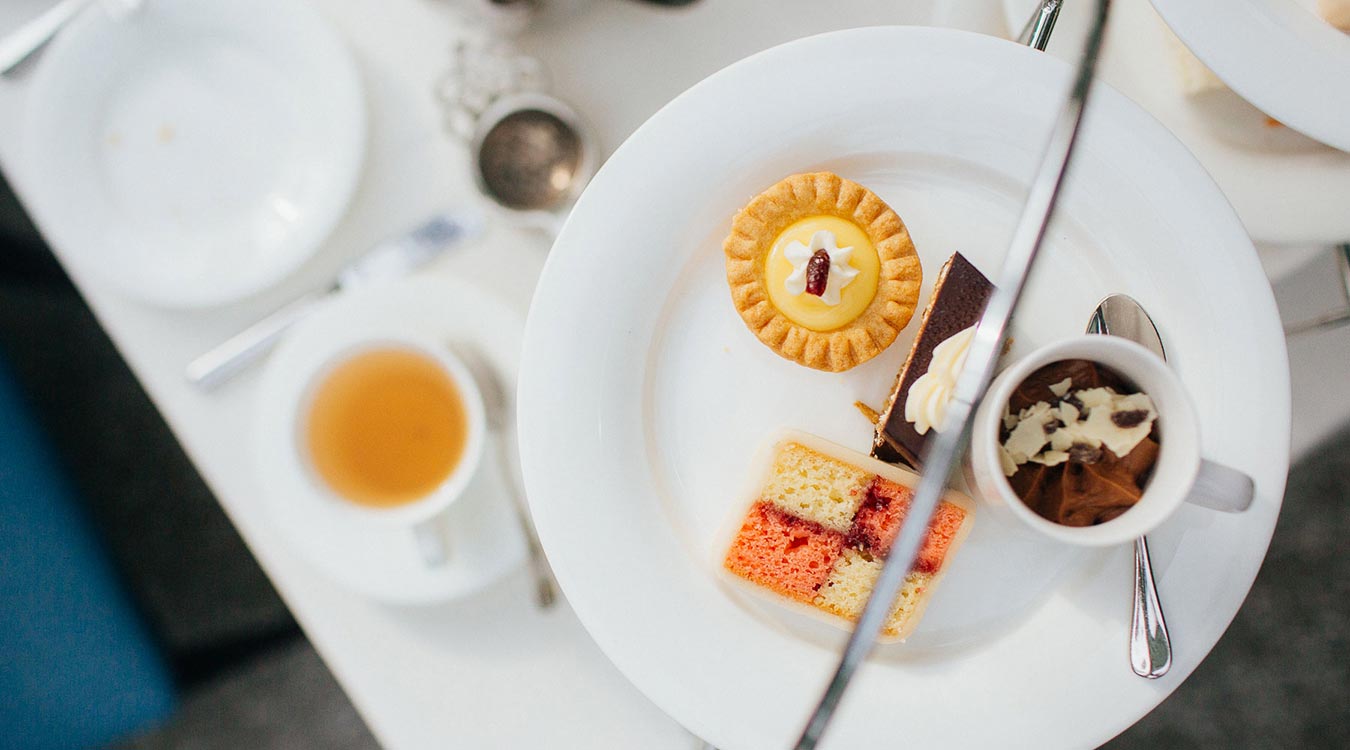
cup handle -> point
(1221, 488)
(433, 541)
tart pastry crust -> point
(753, 233)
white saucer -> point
(194, 152)
(378, 560)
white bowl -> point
(1179, 441)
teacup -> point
(1179, 475)
(391, 430)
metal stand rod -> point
(1041, 25)
(951, 439)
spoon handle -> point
(25, 41)
(1150, 648)
(545, 587)
(234, 355)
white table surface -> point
(489, 671)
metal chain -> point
(483, 68)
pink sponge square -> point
(787, 554)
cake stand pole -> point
(951, 440)
(1036, 34)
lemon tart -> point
(822, 271)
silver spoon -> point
(1150, 646)
(497, 405)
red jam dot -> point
(817, 273)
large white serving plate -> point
(644, 398)
(193, 152)
(1278, 54)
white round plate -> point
(644, 398)
(1278, 54)
(196, 151)
(382, 561)
(1286, 188)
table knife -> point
(392, 259)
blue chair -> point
(78, 669)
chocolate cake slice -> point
(959, 297)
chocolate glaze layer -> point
(959, 297)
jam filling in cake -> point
(822, 526)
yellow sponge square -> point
(815, 487)
(850, 582)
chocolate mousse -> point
(959, 297)
(1078, 443)
(1084, 374)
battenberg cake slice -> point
(958, 300)
(820, 525)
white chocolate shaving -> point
(1094, 426)
(1062, 387)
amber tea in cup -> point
(386, 427)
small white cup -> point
(1180, 473)
(426, 517)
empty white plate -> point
(194, 152)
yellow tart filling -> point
(809, 310)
